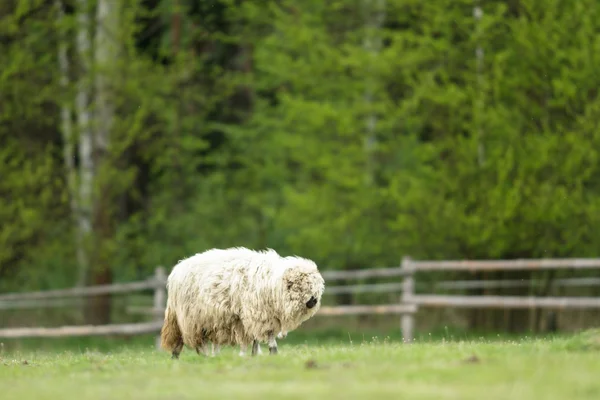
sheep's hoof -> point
(273, 350)
(175, 356)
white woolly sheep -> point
(238, 296)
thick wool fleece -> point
(237, 295)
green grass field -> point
(550, 368)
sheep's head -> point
(303, 287)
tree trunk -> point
(68, 145)
(86, 167)
(105, 60)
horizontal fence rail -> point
(368, 288)
(364, 273)
(82, 330)
(39, 304)
(86, 291)
(510, 284)
(504, 265)
(463, 285)
(368, 310)
(506, 302)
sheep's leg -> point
(255, 347)
(243, 349)
(214, 349)
(177, 350)
(272, 344)
(203, 348)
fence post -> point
(408, 290)
(160, 295)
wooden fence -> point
(50, 298)
(412, 267)
(407, 307)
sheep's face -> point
(303, 287)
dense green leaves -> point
(344, 131)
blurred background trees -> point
(134, 133)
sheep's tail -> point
(170, 334)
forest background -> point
(134, 133)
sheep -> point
(238, 296)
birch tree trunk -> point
(86, 167)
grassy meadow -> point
(490, 368)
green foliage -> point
(33, 201)
(329, 129)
